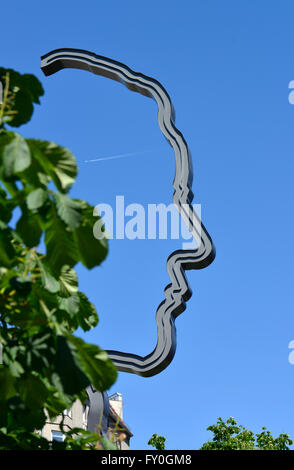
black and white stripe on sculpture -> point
(178, 291)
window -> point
(57, 436)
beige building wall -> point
(77, 417)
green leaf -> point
(16, 156)
(36, 199)
(94, 362)
(68, 210)
(70, 304)
(24, 107)
(72, 377)
(15, 369)
(56, 162)
(7, 381)
(7, 252)
(57, 400)
(49, 282)
(33, 86)
(22, 285)
(32, 391)
(26, 90)
(68, 281)
(87, 316)
(6, 137)
(28, 227)
(91, 251)
(35, 175)
(6, 207)
(39, 350)
(61, 248)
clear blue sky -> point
(226, 66)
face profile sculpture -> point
(178, 292)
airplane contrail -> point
(112, 157)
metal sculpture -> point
(178, 291)
(98, 413)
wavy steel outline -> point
(178, 292)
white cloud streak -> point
(113, 157)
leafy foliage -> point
(20, 94)
(157, 441)
(44, 233)
(230, 436)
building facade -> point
(100, 413)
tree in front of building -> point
(44, 233)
